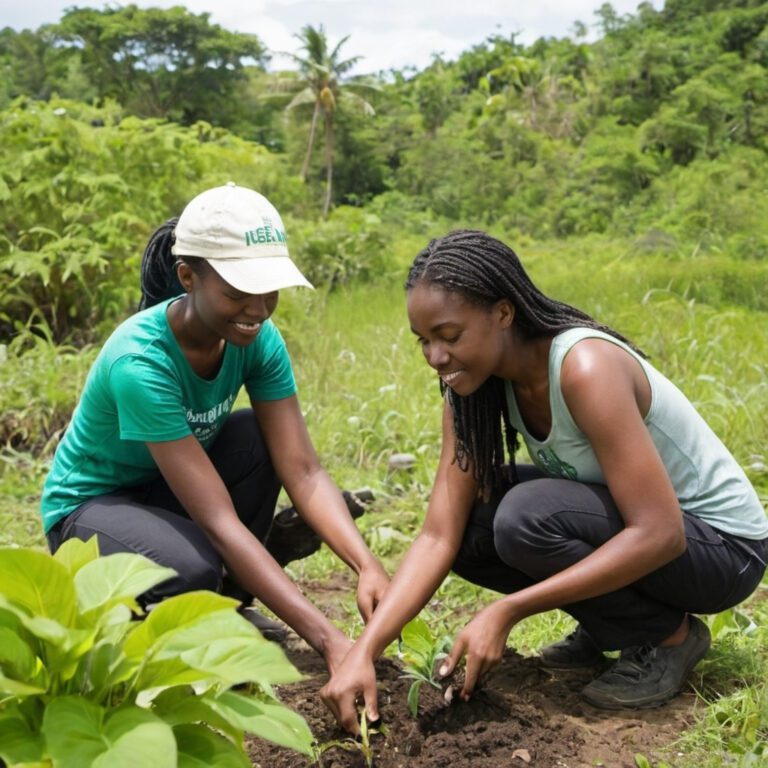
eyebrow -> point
(436, 328)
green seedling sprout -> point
(421, 651)
(361, 743)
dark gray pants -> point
(541, 526)
(149, 519)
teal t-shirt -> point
(142, 389)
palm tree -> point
(321, 77)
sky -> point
(388, 34)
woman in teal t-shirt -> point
(634, 518)
(154, 460)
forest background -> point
(629, 173)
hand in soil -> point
(354, 679)
(482, 641)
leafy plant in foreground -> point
(421, 650)
(83, 684)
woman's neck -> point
(203, 350)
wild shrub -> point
(351, 244)
(80, 191)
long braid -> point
(158, 274)
(484, 270)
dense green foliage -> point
(80, 191)
(84, 684)
(667, 87)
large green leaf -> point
(200, 747)
(176, 615)
(230, 661)
(16, 657)
(81, 734)
(21, 672)
(268, 719)
(18, 742)
(181, 706)
(118, 578)
(238, 660)
(63, 646)
(221, 625)
(73, 554)
(19, 688)
(36, 582)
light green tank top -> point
(707, 479)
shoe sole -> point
(613, 705)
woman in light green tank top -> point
(634, 517)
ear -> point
(505, 311)
(185, 274)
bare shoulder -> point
(603, 383)
(597, 362)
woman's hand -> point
(355, 677)
(371, 586)
(483, 641)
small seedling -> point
(361, 743)
(421, 651)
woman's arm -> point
(422, 570)
(193, 479)
(608, 395)
(316, 497)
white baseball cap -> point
(241, 235)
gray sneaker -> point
(573, 652)
(647, 676)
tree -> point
(323, 88)
(162, 62)
(25, 63)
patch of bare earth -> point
(525, 715)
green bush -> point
(83, 684)
(81, 190)
(350, 244)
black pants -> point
(150, 520)
(541, 526)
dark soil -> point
(525, 715)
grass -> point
(366, 394)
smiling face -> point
(220, 311)
(465, 343)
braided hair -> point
(159, 279)
(158, 267)
(484, 271)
